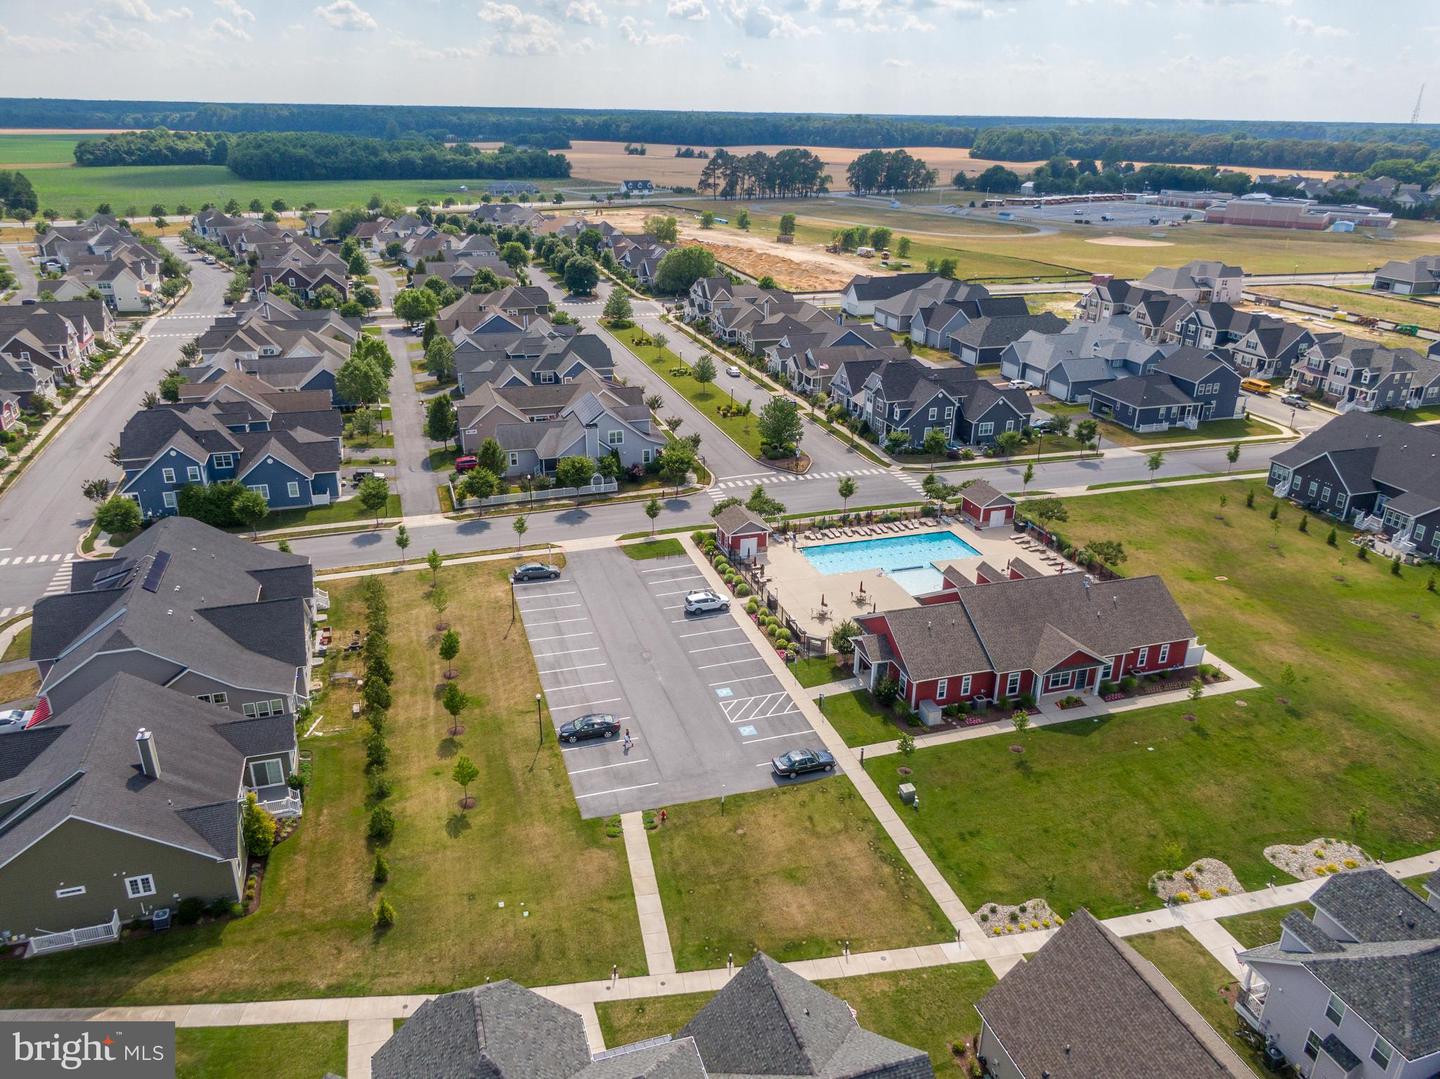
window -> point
(168, 497)
(514, 459)
(168, 475)
(983, 429)
(950, 412)
(139, 887)
(615, 438)
(1335, 1010)
(1325, 493)
(1419, 533)
(224, 460)
(1380, 1053)
(263, 488)
(1314, 486)
(942, 687)
(1009, 425)
(214, 698)
(965, 686)
(1012, 683)
(266, 774)
(1164, 654)
(904, 683)
(260, 709)
(292, 489)
(1312, 1045)
(79, 889)
(934, 414)
(192, 473)
(1062, 680)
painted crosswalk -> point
(728, 488)
(37, 559)
(6, 612)
(60, 579)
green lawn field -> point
(47, 150)
(279, 1051)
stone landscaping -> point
(1000, 919)
(1318, 858)
(1204, 878)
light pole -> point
(539, 723)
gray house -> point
(128, 800)
(1087, 1005)
(1183, 389)
(189, 607)
(1417, 277)
(765, 1021)
(1353, 991)
(1070, 364)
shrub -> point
(1204, 893)
(742, 590)
(380, 787)
(384, 914)
(1189, 874)
(886, 690)
(381, 873)
(258, 827)
(189, 910)
(219, 906)
(377, 751)
(1183, 897)
(984, 917)
(1223, 890)
(1014, 917)
(752, 606)
(382, 825)
(235, 910)
(1351, 863)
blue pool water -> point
(908, 559)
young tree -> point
(96, 490)
(449, 649)
(1020, 719)
(521, 526)
(439, 597)
(742, 220)
(654, 402)
(705, 369)
(434, 561)
(935, 444)
(935, 487)
(652, 510)
(581, 276)
(491, 457)
(1153, 463)
(1028, 475)
(479, 483)
(402, 540)
(441, 424)
(779, 426)
(677, 460)
(428, 334)
(440, 360)
(454, 700)
(1008, 442)
(1048, 511)
(249, 508)
(1086, 432)
(464, 774)
(787, 224)
(661, 339)
(618, 311)
(1231, 456)
(846, 490)
(574, 471)
(373, 495)
(118, 516)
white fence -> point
(289, 806)
(76, 938)
(543, 494)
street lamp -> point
(539, 723)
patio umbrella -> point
(862, 587)
(822, 599)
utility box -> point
(907, 793)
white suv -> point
(699, 602)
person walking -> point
(629, 742)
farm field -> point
(1373, 304)
(1344, 714)
(37, 150)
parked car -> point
(15, 720)
(466, 463)
(1294, 400)
(364, 474)
(800, 761)
(700, 602)
(535, 571)
(1019, 384)
(594, 725)
(732, 370)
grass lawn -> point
(1346, 655)
(653, 548)
(930, 1009)
(1112, 434)
(741, 429)
(859, 720)
(281, 1051)
(34, 149)
(1261, 926)
(345, 511)
(1426, 414)
(1376, 304)
(373, 441)
(524, 844)
(18, 685)
(818, 670)
(1192, 970)
(792, 872)
(1417, 885)
(19, 648)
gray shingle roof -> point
(732, 518)
(1368, 904)
(1367, 449)
(1086, 1005)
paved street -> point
(43, 515)
(24, 271)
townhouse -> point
(1267, 347)
(908, 397)
(514, 214)
(1356, 374)
(790, 354)
(537, 356)
(98, 255)
(53, 337)
(1081, 357)
(302, 266)
(1413, 277)
(520, 303)
(1352, 989)
(1199, 281)
(1184, 389)
(1027, 638)
(861, 293)
(537, 426)
(1379, 474)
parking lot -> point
(705, 713)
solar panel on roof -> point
(157, 570)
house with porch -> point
(126, 801)
(1377, 474)
(1355, 374)
(1070, 363)
(910, 398)
(1036, 638)
(1183, 389)
(1269, 347)
(741, 534)
(1200, 281)
(1350, 992)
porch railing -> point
(289, 806)
(76, 938)
(322, 599)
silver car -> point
(700, 602)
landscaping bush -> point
(189, 910)
(258, 827)
(384, 914)
(382, 825)
(379, 787)
(219, 906)
(381, 873)
(886, 691)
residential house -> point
(1356, 374)
(514, 214)
(22, 380)
(54, 336)
(1183, 389)
(1088, 1005)
(284, 445)
(786, 355)
(538, 425)
(1415, 277)
(1379, 474)
(1071, 363)
(209, 222)
(861, 293)
(1032, 638)
(126, 800)
(535, 357)
(303, 267)
(513, 188)
(315, 222)
(520, 302)
(812, 370)
(983, 340)
(1352, 989)
(188, 607)
(125, 287)
(909, 397)
(1269, 347)
(367, 233)
(637, 187)
(896, 312)
(1159, 314)
(11, 405)
(1200, 281)
(767, 1020)
(1109, 296)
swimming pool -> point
(908, 559)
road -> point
(43, 514)
(24, 271)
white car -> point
(700, 602)
(733, 371)
(15, 720)
(1019, 384)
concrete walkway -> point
(364, 1037)
(658, 957)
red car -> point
(466, 463)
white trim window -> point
(140, 886)
(224, 460)
(1381, 1052)
(942, 687)
(192, 473)
(614, 438)
(645, 457)
(1060, 680)
(263, 488)
(983, 429)
(514, 459)
(1335, 1010)
(292, 489)
(70, 893)
(267, 773)
(167, 475)
(965, 685)
(169, 499)
(1164, 654)
(261, 709)
(220, 697)
(1012, 683)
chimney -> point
(149, 755)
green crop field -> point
(37, 149)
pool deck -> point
(818, 601)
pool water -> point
(907, 559)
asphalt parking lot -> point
(704, 711)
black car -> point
(799, 761)
(594, 725)
(535, 571)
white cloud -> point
(518, 33)
(140, 11)
(689, 10)
(585, 11)
(1300, 25)
(237, 13)
(34, 46)
(736, 62)
(347, 15)
(636, 33)
(225, 28)
(758, 19)
(891, 61)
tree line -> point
(889, 172)
(311, 156)
(158, 146)
(792, 173)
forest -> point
(792, 173)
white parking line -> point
(558, 621)
(580, 685)
(708, 632)
(618, 790)
(727, 663)
(771, 738)
(565, 652)
(732, 681)
(547, 595)
(677, 592)
(662, 569)
(602, 767)
(556, 607)
(587, 704)
(564, 636)
(577, 667)
(717, 647)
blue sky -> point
(1260, 59)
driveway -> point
(704, 713)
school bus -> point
(1255, 385)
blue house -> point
(1184, 389)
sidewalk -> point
(658, 957)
